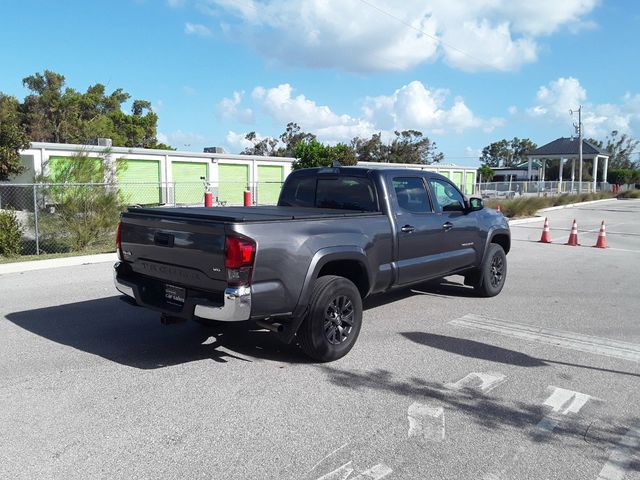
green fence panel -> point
(137, 171)
(187, 178)
(270, 178)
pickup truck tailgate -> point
(175, 250)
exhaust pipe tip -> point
(273, 327)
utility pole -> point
(579, 130)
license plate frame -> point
(175, 294)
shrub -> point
(10, 234)
(629, 194)
(82, 215)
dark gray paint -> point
(293, 243)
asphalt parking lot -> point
(540, 382)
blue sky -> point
(465, 73)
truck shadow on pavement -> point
(117, 331)
(485, 351)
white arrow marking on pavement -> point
(620, 458)
(482, 381)
(426, 422)
(340, 473)
(376, 472)
(562, 401)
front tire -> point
(493, 272)
(333, 322)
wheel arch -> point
(345, 261)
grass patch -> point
(528, 206)
(46, 256)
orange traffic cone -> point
(573, 236)
(602, 237)
(498, 208)
(546, 236)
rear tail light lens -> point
(239, 256)
(119, 241)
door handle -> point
(447, 226)
(408, 228)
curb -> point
(521, 221)
(19, 267)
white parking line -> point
(620, 457)
(560, 338)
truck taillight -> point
(238, 260)
(119, 241)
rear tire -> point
(493, 272)
(333, 321)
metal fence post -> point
(35, 214)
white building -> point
(151, 176)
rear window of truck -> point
(342, 193)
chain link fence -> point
(506, 190)
(56, 218)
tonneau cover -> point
(250, 214)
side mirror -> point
(475, 204)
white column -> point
(606, 169)
(573, 172)
(560, 175)
(528, 169)
(595, 172)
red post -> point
(208, 199)
(247, 198)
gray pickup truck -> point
(302, 268)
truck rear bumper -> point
(236, 302)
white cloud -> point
(375, 35)
(228, 108)
(176, 3)
(196, 29)
(412, 106)
(554, 100)
(238, 142)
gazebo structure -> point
(568, 149)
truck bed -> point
(250, 214)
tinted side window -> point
(411, 194)
(446, 196)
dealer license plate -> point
(174, 294)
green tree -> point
(620, 150)
(371, 149)
(265, 147)
(486, 173)
(53, 112)
(291, 136)
(507, 153)
(410, 146)
(311, 153)
(82, 215)
(12, 138)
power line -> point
(436, 39)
